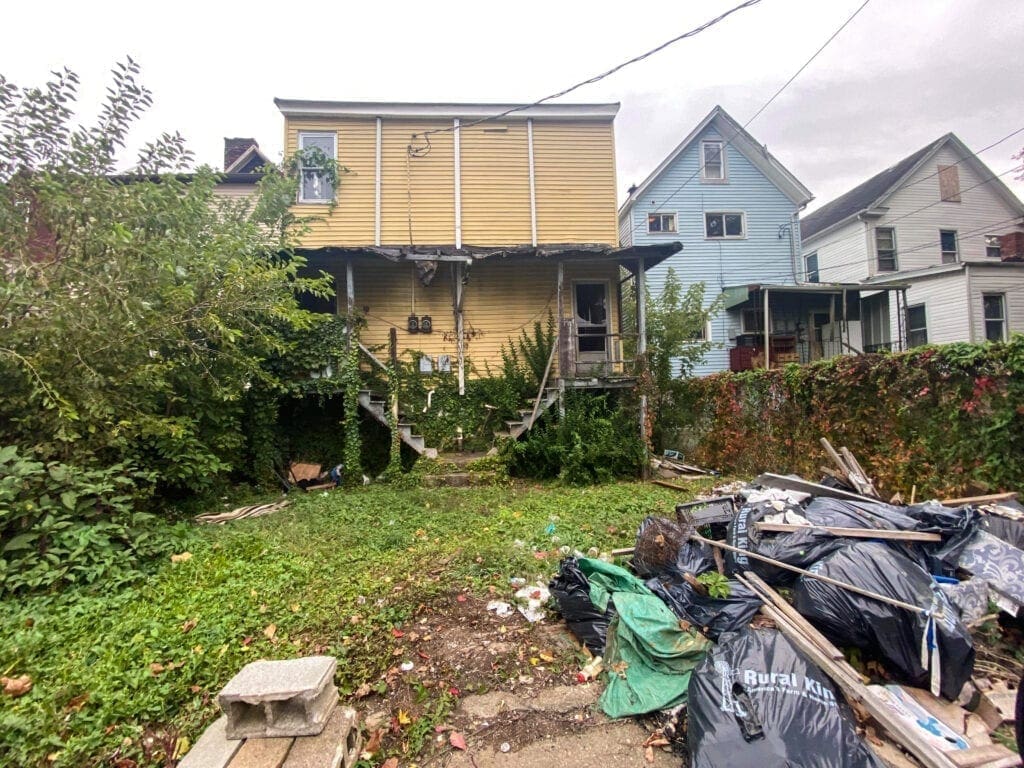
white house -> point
(943, 224)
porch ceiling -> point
(738, 295)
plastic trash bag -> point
(916, 647)
(841, 513)
(757, 702)
(664, 547)
(571, 590)
(715, 616)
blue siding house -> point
(735, 209)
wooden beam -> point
(852, 533)
(979, 499)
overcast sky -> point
(902, 74)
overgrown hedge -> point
(943, 418)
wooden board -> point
(978, 499)
(987, 756)
(783, 483)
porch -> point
(769, 326)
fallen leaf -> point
(181, 746)
(403, 717)
(457, 740)
(189, 625)
(76, 704)
(442, 728)
(391, 762)
(195, 688)
(545, 656)
(247, 641)
(454, 691)
(397, 633)
(461, 598)
(16, 686)
(295, 607)
(184, 557)
(362, 691)
(422, 655)
(373, 743)
(270, 630)
(156, 668)
(649, 754)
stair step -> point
(513, 424)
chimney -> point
(1011, 246)
(235, 148)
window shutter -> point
(949, 183)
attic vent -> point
(496, 129)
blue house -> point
(736, 209)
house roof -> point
(735, 135)
(873, 192)
(248, 162)
(302, 108)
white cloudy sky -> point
(903, 73)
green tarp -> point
(649, 656)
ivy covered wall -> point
(941, 418)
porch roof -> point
(627, 258)
(736, 295)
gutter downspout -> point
(767, 341)
(793, 255)
(970, 303)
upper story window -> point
(885, 248)
(811, 267)
(917, 326)
(661, 222)
(994, 307)
(947, 241)
(949, 184)
(725, 225)
(315, 186)
(993, 247)
(712, 161)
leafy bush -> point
(596, 441)
(939, 417)
(62, 524)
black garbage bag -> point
(757, 702)
(894, 634)
(714, 615)
(571, 590)
(664, 547)
(843, 513)
(956, 525)
(799, 548)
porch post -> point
(641, 348)
(460, 344)
(560, 341)
(767, 341)
(350, 299)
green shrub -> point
(61, 524)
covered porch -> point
(772, 325)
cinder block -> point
(213, 750)
(280, 698)
(338, 746)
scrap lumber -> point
(852, 533)
(985, 756)
(673, 486)
(997, 706)
(978, 499)
(849, 682)
(761, 587)
(850, 469)
(784, 483)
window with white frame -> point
(728, 224)
(993, 247)
(712, 161)
(752, 320)
(701, 334)
(948, 246)
(811, 267)
(315, 185)
(994, 307)
(885, 248)
(661, 223)
(917, 326)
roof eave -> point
(298, 108)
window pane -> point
(654, 223)
(713, 223)
(993, 304)
(812, 268)
(712, 160)
(993, 248)
(733, 224)
(948, 240)
(994, 330)
(315, 186)
(324, 143)
(884, 238)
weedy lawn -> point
(128, 674)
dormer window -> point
(712, 161)
(315, 186)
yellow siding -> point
(351, 221)
(502, 298)
(495, 171)
(575, 180)
(432, 184)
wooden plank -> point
(997, 707)
(674, 487)
(979, 499)
(783, 483)
(857, 474)
(955, 717)
(857, 693)
(853, 533)
(761, 587)
(836, 458)
(987, 756)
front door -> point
(591, 311)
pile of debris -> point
(697, 627)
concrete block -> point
(338, 746)
(213, 750)
(262, 753)
(280, 698)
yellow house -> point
(458, 225)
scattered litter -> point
(241, 513)
(16, 686)
(531, 601)
(505, 747)
(590, 670)
(500, 608)
(182, 557)
(917, 718)
(571, 591)
(407, 666)
(714, 616)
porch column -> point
(350, 299)
(560, 341)
(767, 340)
(460, 342)
(641, 349)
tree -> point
(135, 311)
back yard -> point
(127, 674)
